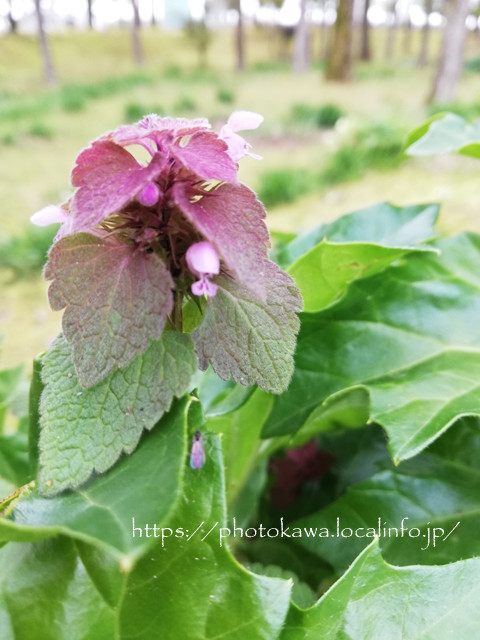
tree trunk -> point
(90, 14)
(300, 43)
(154, 15)
(240, 38)
(339, 62)
(423, 55)
(12, 23)
(365, 50)
(48, 68)
(407, 33)
(136, 42)
(451, 55)
(391, 34)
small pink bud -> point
(149, 195)
(202, 259)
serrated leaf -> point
(383, 224)
(434, 497)
(193, 588)
(46, 593)
(409, 335)
(443, 134)
(144, 486)
(86, 430)
(249, 340)
(115, 296)
(232, 219)
(374, 601)
(108, 177)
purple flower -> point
(238, 147)
(203, 261)
(137, 239)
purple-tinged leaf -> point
(108, 177)
(86, 430)
(115, 296)
(154, 128)
(205, 154)
(250, 340)
(232, 219)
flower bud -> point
(149, 195)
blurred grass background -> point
(328, 148)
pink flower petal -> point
(51, 214)
(202, 259)
(210, 289)
(241, 120)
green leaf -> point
(434, 497)
(382, 223)
(324, 274)
(420, 131)
(46, 593)
(249, 340)
(349, 408)
(36, 389)
(144, 486)
(374, 601)
(115, 296)
(302, 595)
(86, 430)
(14, 462)
(240, 440)
(409, 335)
(443, 134)
(192, 587)
(219, 397)
(10, 380)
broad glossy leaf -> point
(444, 134)
(375, 601)
(249, 340)
(14, 462)
(115, 297)
(383, 224)
(409, 335)
(324, 274)
(193, 588)
(219, 397)
(144, 486)
(240, 440)
(86, 430)
(346, 409)
(434, 496)
(46, 593)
